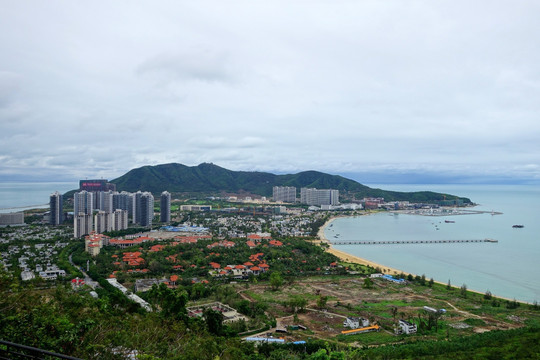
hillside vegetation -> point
(212, 179)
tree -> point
(276, 280)
(449, 285)
(214, 321)
(431, 282)
(368, 283)
(463, 290)
(321, 301)
(487, 295)
(297, 303)
(394, 311)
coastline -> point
(344, 256)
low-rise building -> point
(405, 327)
(355, 323)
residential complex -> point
(318, 197)
(16, 218)
(284, 193)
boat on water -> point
(449, 221)
(518, 226)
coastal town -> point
(253, 248)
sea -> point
(509, 268)
(20, 196)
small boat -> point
(518, 226)
(449, 221)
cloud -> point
(419, 88)
(202, 65)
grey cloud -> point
(197, 65)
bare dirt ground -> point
(347, 297)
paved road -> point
(87, 279)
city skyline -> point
(375, 91)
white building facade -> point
(284, 193)
(318, 197)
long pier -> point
(395, 242)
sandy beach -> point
(385, 269)
(352, 258)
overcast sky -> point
(441, 89)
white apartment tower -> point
(165, 207)
(103, 222)
(105, 201)
(284, 193)
(83, 203)
(83, 225)
(120, 219)
(318, 197)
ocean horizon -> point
(506, 268)
(20, 196)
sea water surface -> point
(509, 268)
(19, 196)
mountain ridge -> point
(210, 178)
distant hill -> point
(209, 178)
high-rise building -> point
(103, 222)
(82, 224)
(165, 207)
(119, 219)
(124, 201)
(144, 208)
(83, 203)
(96, 185)
(105, 201)
(318, 197)
(284, 193)
(56, 216)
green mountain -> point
(211, 179)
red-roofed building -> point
(251, 244)
(224, 243)
(94, 242)
(275, 243)
(157, 248)
(264, 267)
